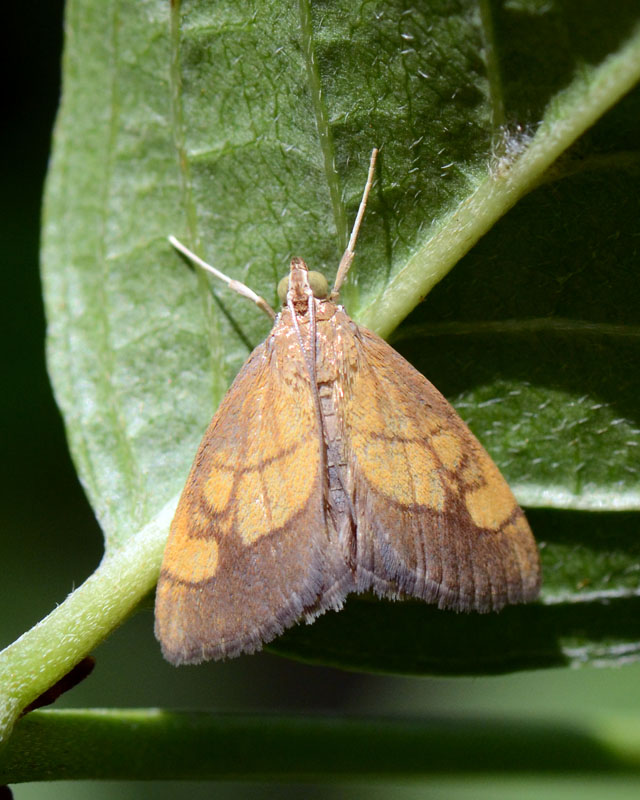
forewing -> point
(250, 550)
(434, 517)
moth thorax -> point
(301, 277)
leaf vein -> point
(322, 122)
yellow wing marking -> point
(271, 496)
(189, 558)
(490, 504)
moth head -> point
(299, 277)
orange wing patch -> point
(380, 459)
(448, 449)
(489, 500)
(219, 486)
(192, 561)
(270, 497)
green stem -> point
(153, 744)
(44, 654)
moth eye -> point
(317, 282)
(283, 288)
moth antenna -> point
(347, 257)
(236, 286)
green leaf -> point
(246, 131)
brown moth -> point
(332, 466)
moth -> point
(332, 466)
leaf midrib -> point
(322, 122)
